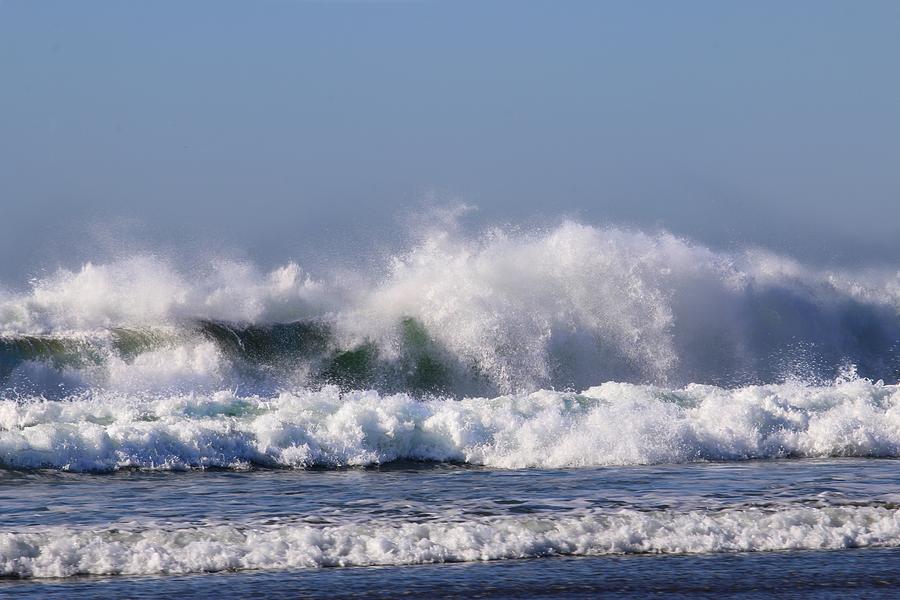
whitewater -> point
(612, 424)
(220, 548)
(524, 362)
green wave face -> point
(59, 352)
(268, 343)
(78, 352)
(256, 353)
(130, 343)
(422, 366)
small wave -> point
(131, 550)
(611, 424)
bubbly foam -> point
(138, 550)
(611, 424)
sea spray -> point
(454, 315)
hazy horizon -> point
(303, 130)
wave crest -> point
(500, 312)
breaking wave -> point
(129, 549)
(454, 315)
(462, 348)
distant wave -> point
(612, 424)
(454, 315)
(132, 549)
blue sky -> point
(286, 129)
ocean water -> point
(559, 412)
(813, 527)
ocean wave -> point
(503, 311)
(130, 549)
(611, 424)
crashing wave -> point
(611, 424)
(501, 312)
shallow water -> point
(851, 573)
(690, 501)
(432, 492)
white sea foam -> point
(136, 550)
(612, 424)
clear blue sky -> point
(285, 128)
